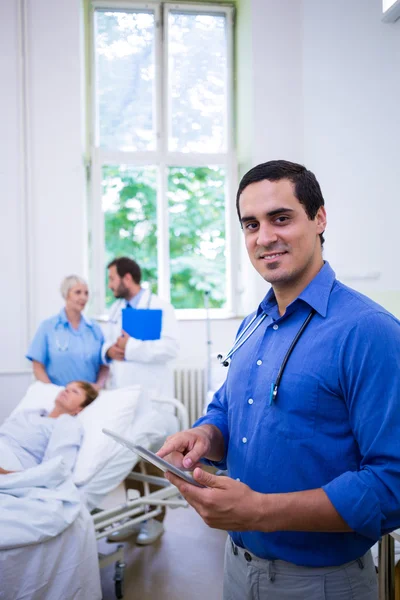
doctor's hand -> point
(123, 340)
(115, 353)
(185, 448)
(224, 503)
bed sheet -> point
(62, 568)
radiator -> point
(191, 389)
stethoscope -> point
(61, 347)
(242, 338)
(64, 347)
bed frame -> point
(137, 510)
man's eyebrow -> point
(271, 213)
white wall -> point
(351, 67)
(43, 206)
(318, 82)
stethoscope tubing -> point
(241, 340)
(275, 386)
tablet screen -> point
(162, 464)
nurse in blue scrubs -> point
(67, 347)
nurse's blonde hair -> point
(69, 282)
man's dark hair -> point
(125, 265)
(306, 187)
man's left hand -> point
(122, 340)
(224, 504)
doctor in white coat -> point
(136, 361)
(140, 362)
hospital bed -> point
(103, 464)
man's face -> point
(116, 284)
(71, 398)
(282, 242)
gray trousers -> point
(247, 577)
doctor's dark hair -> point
(306, 187)
(125, 265)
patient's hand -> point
(4, 472)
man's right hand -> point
(115, 353)
(186, 448)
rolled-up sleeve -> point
(369, 499)
(38, 349)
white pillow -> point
(148, 430)
(38, 395)
(115, 409)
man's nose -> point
(266, 234)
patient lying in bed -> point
(31, 437)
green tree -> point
(197, 228)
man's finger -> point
(168, 448)
(208, 479)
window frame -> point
(161, 157)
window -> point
(162, 151)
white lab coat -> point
(146, 362)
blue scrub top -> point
(68, 354)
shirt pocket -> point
(294, 411)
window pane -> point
(124, 47)
(130, 218)
(197, 82)
(197, 236)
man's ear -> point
(127, 279)
(321, 220)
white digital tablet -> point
(155, 460)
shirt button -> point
(250, 401)
(237, 478)
(275, 327)
(259, 362)
(244, 440)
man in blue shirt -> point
(307, 421)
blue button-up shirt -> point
(68, 354)
(335, 423)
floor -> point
(185, 564)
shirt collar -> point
(133, 302)
(316, 294)
(63, 319)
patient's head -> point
(75, 397)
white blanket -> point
(37, 504)
(62, 568)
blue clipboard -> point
(142, 323)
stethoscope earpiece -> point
(240, 340)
